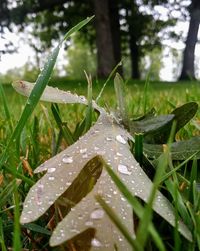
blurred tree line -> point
(120, 28)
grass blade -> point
(2, 243)
(6, 109)
(88, 117)
(17, 231)
(118, 223)
(39, 87)
(137, 207)
(66, 133)
(120, 96)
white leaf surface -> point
(52, 94)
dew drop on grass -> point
(67, 160)
(120, 139)
(123, 169)
(97, 214)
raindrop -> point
(82, 98)
(67, 160)
(119, 154)
(51, 178)
(120, 139)
(88, 223)
(108, 138)
(96, 148)
(83, 150)
(51, 170)
(123, 169)
(97, 214)
(84, 156)
(96, 243)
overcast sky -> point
(9, 61)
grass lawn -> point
(42, 138)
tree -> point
(47, 19)
(142, 30)
(136, 31)
(188, 71)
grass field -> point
(40, 140)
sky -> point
(25, 53)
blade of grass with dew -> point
(137, 207)
(139, 147)
(118, 223)
(145, 97)
(120, 96)
(107, 80)
(196, 227)
(177, 241)
(6, 109)
(88, 117)
(39, 87)
(167, 175)
(17, 229)
(142, 232)
(66, 133)
(143, 229)
(193, 177)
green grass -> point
(32, 132)
(38, 141)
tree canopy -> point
(120, 28)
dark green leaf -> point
(180, 150)
(184, 114)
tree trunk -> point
(188, 71)
(134, 48)
(105, 49)
(115, 29)
(135, 58)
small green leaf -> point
(120, 97)
(36, 228)
(184, 114)
(180, 150)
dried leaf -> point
(53, 95)
(107, 139)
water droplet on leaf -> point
(96, 243)
(123, 169)
(67, 160)
(97, 214)
(51, 170)
(120, 139)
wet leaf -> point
(180, 150)
(52, 94)
(155, 129)
(184, 114)
(108, 140)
